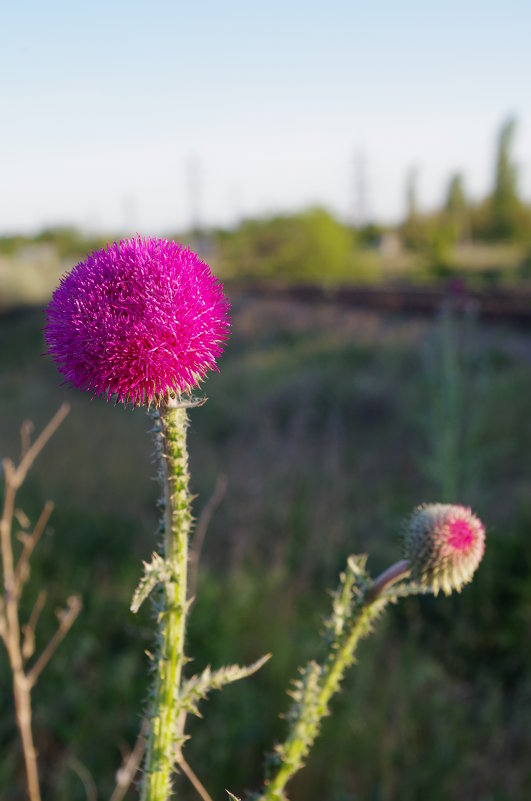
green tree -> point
(311, 245)
(507, 208)
(411, 196)
(412, 230)
(456, 208)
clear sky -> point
(149, 115)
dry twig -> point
(125, 776)
(85, 777)
(20, 639)
(66, 618)
(30, 541)
(28, 643)
(192, 777)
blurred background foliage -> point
(330, 424)
(485, 242)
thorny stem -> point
(165, 710)
(305, 730)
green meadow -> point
(329, 425)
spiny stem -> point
(163, 730)
(320, 683)
(303, 734)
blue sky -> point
(145, 116)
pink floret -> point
(138, 320)
(460, 535)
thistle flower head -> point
(444, 545)
(138, 320)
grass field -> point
(330, 425)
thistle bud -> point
(444, 545)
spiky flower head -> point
(138, 320)
(444, 545)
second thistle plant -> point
(443, 546)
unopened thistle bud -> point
(444, 545)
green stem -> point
(321, 683)
(163, 723)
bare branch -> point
(181, 724)
(22, 568)
(201, 529)
(20, 647)
(22, 518)
(34, 450)
(192, 777)
(10, 627)
(3, 623)
(28, 643)
(66, 619)
(26, 430)
(125, 776)
(85, 776)
(6, 525)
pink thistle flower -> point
(444, 545)
(138, 320)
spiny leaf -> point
(198, 687)
(155, 572)
(353, 582)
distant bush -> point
(311, 245)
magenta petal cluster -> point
(138, 320)
(444, 545)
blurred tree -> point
(412, 228)
(455, 198)
(319, 246)
(507, 208)
(411, 195)
(456, 208)
(311, 245)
